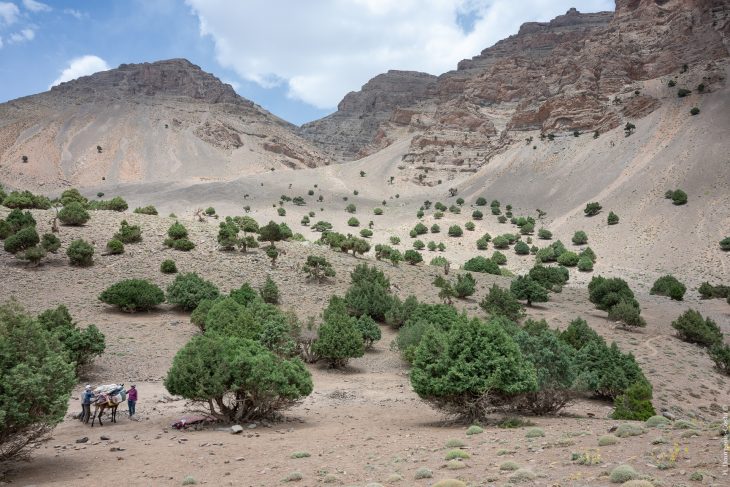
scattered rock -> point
(236, 429)
(83, 440)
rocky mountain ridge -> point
(577, 73)
(162, 121)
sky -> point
(295, 58)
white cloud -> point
(75, 13)
(1, 42)
(22, 36)
(81, 66)
(35, 6)
(8, 13)
(322, 50)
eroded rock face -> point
(349, 131)
(578, 72)
(173, 77)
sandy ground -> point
(363, 424)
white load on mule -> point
(112, 393)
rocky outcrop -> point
(579, 72)
(162, 121)
(349, 131)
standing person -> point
(86, 399)
(132, 399)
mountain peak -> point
(170, 77)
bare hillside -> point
(163, 121)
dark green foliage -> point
(679, 197)
(23, 239)
(368, 293)
(627, 314)
(50, 243)
(482, 264)
(585, 264)
(524, 287)
(25, 200)
(480, 201)
(635, 403)
(318, 268)
(592, 209)
(73, 214)
(612, 218)
(578, 334)
(353, 222)
(708, 291)
(482, 244)
(720, 354)
(419, 245)
(133, 295)
(271, 232)
(399, 311)
(629, 128)
(469, 226)
(527, 229)
(568, 259)
(692, 328)
(366, 233)
(80, 253)
(422, 318)
(17, 219)
(682, 92)
(146, 210)
(465, 285)
(128, 233)
(228, 234)
(73, 196)
(270, 291)
(669, 286)
(588, 253)
(177, 238)
(606, 293)
(5, 230)
(470, 369)
(244, 295)
(500, 242)
(725, 244)
(544, 234)
(168, 266)
(548, 276)
(115, 247)
(236, 378)
(339, 337)
(413, 257)
(694, 111)
(501, 302)
(554, 363)
(34, 255)
(81, 345)
(477, 215)
(420, 229)
(499, 258)
(37, 378)
(580, 238)
(604, 371)
(369, 330)
(188, 290)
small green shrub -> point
(188, 290)
(423, 473)
(168, 266)
(457, 455)
(501, 302)
(679, 197)
(580, 238)
(657, 421)
(115, 247)
(133, 295)
(725, 244)
(482, 264)
(509, 466)
(635, 403)
(455, 231)
(585, 264)
(720, 354)
(692, 328)
(80, 253)
(128, 233)
(455, 443)
(300, 454)
(73, 214)
(626, 430)
(474, 430)
(23, 239)
(669, 286)
(146, 210)
(622, 473)
(612, 218)
(568, 259)
(607, 440)
(269, 291)
(592, 209)
(534, 433)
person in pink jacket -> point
(132, 399)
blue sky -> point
(295, 58)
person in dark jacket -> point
(86, 399)
(132, 399)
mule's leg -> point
(93, 417)
(114, 414)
